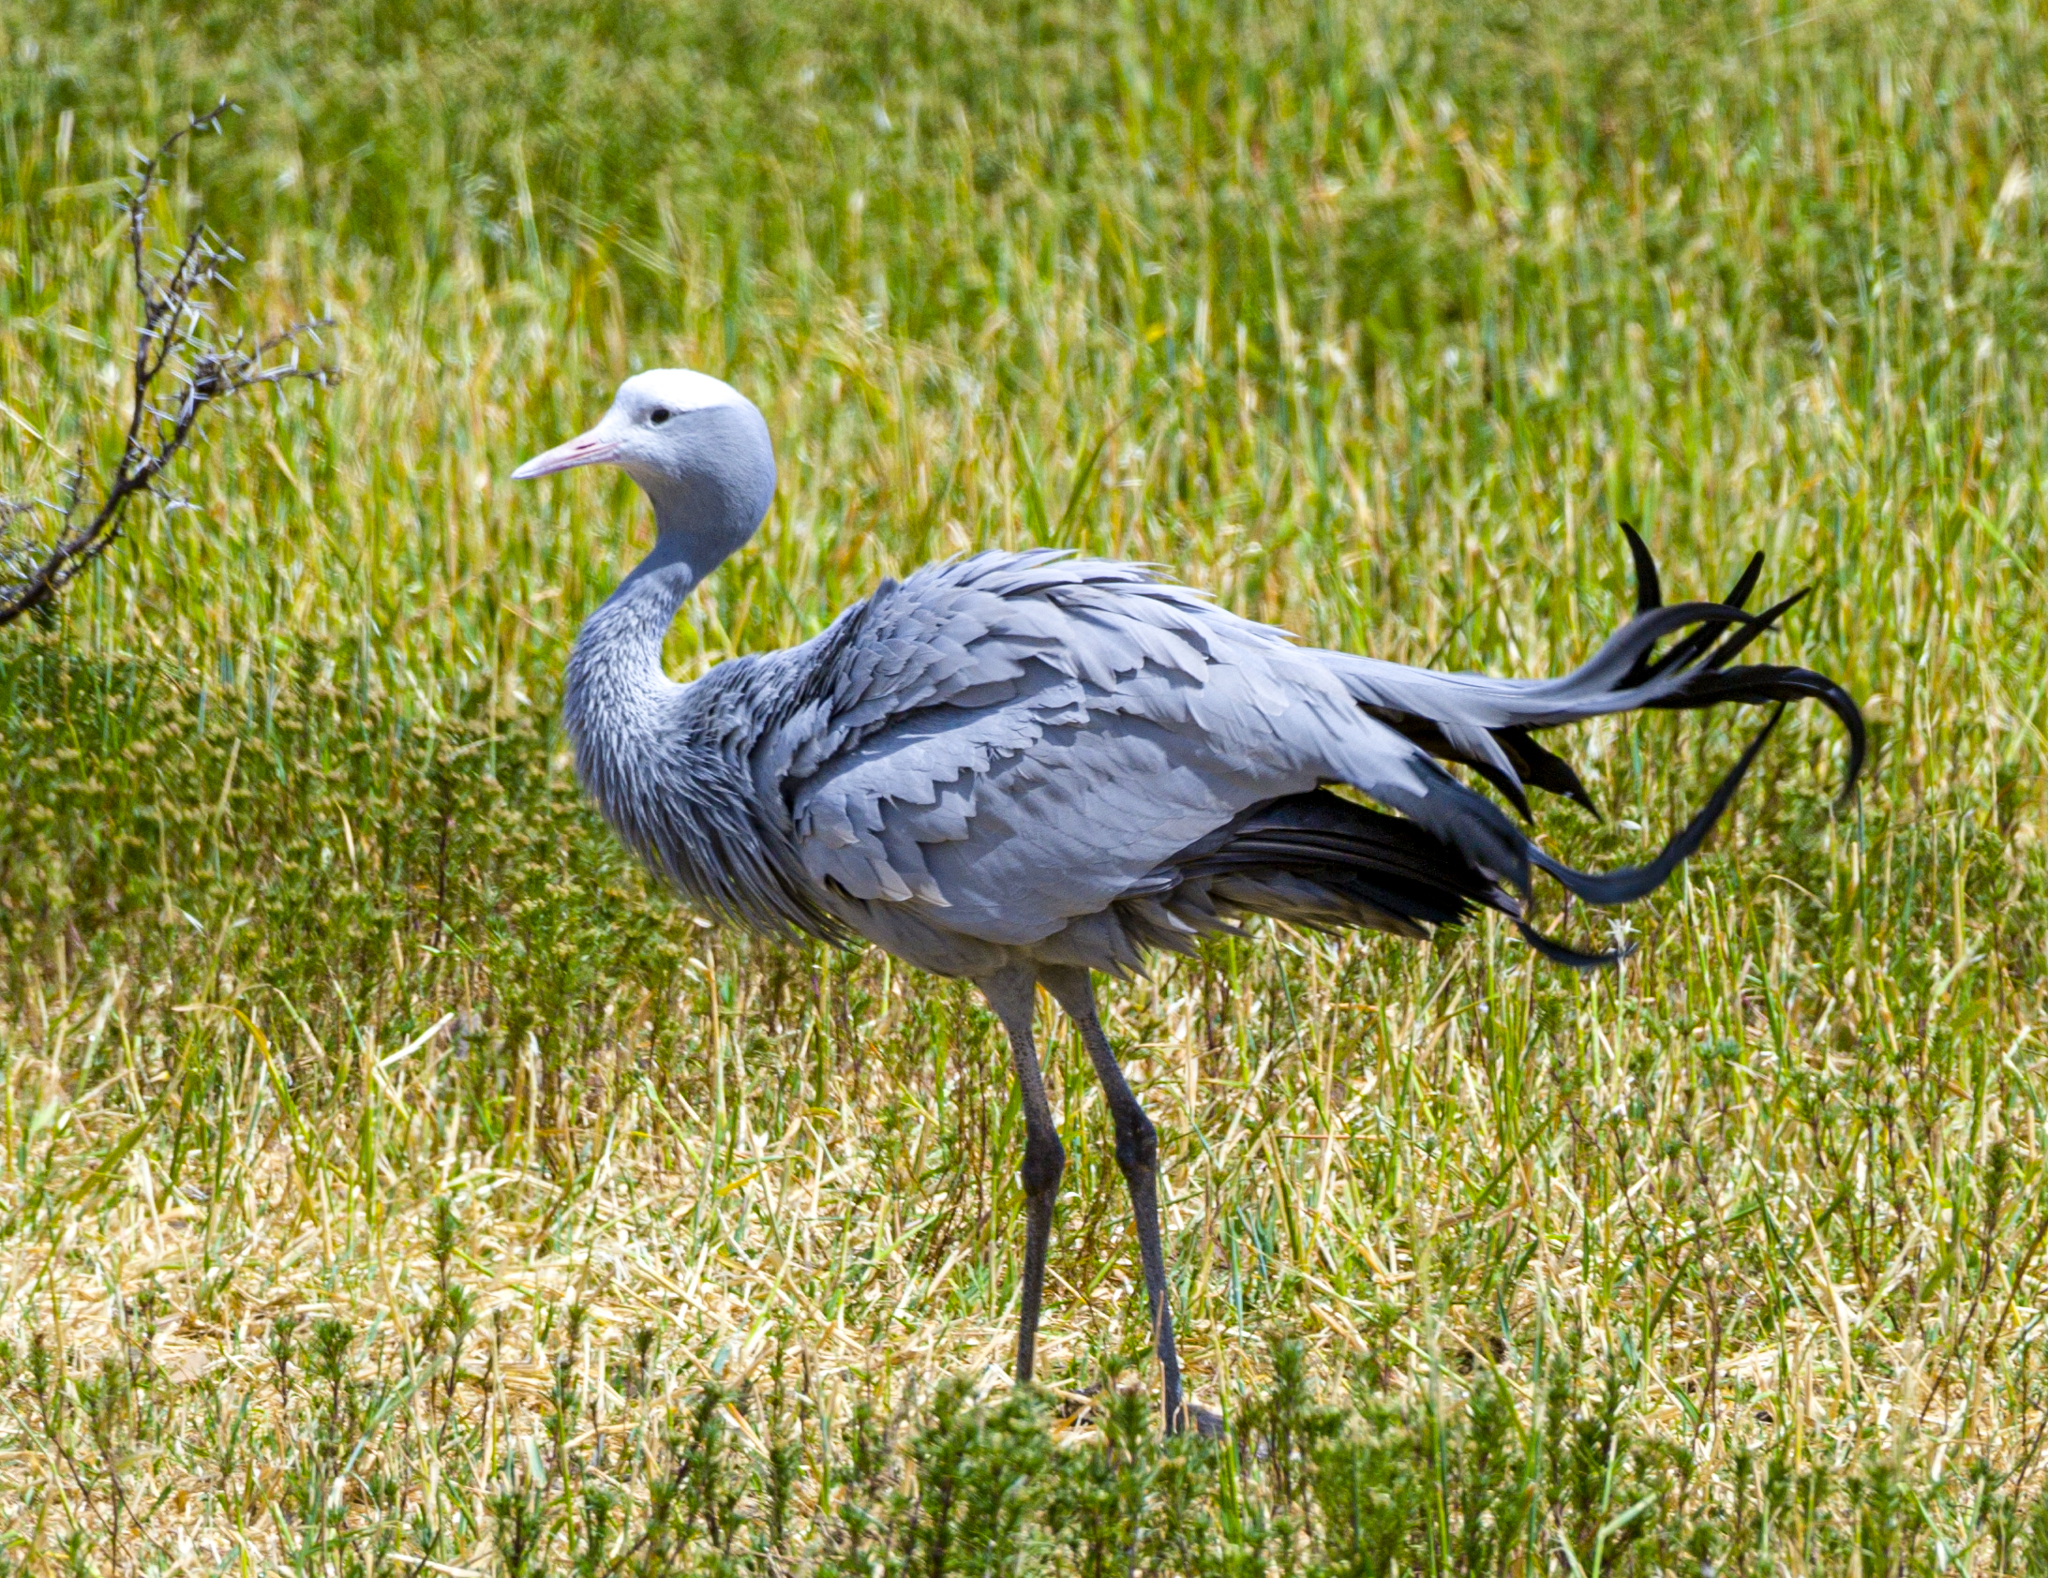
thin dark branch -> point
(178, 369)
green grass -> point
(391, 1179)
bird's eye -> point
(658, 415)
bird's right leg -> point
(1137, 1154)
(1013, 994)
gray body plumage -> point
(1027, 758)
(1025, 767)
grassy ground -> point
(392, 1180)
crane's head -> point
(697, 446)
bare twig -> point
(178, 369)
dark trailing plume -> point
(1709, 637)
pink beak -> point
(591, 449)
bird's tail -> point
(1322, 861)
(1489, 724)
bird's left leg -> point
(1137, 1154)
(1013, 994)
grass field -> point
(393, 1180)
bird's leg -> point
(1013, 994)
(1137, 1153)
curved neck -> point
(615, 682)
(620, 644)
(669, 573)
(643, 605)
(696, 523)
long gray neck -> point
(616, 690)
(617, 699)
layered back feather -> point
(1038, 757)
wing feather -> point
(1012, 745)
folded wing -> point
(1008, 745)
